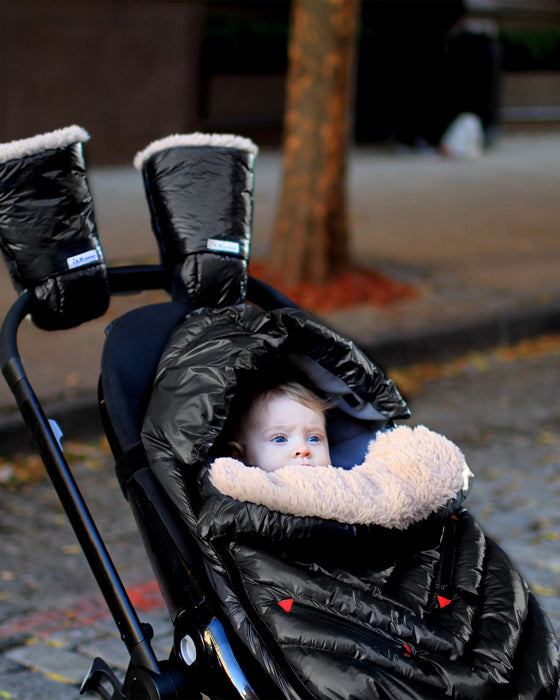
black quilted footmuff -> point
(428, 608)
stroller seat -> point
(132, 350)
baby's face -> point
(284, 432)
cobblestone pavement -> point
(502, 410)
(505, 416)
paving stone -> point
(34, 685)
(163, 637)
(7, 664)
(105, 624)
(111, 649)
(60, 664)
(71, 638)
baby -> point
(406, 473)
(283, 426)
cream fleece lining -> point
(195, 139)
(407, 474)
(60, 138)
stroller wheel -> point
(170, 684)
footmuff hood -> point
(212, 357)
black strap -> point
(129, 463)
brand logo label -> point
(87, 258)
(217, 246)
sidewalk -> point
(479, 240)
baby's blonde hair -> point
(290, 390)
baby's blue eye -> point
(278, 439)
(314, 438)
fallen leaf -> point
(71, 549)
(542, 590)
(355, 287)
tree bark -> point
(311, 237)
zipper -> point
(443, 584)
(406, 649)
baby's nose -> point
(302, 451)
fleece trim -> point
(195, 139)
(407, 474)
(60, 138)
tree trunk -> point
(311, 239)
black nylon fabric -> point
(197, 194)
(363, 617)
(47, 218)
(365, 620)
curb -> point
(81, 419)
(445, 342)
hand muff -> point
(199, 189)
(48, 233)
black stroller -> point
(265, 603)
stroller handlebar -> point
(9, 355)
(137, 278)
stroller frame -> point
(202, 646)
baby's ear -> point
(236, 451)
